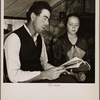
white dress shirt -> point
(12, 47)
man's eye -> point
(44, 18)
(70, 24)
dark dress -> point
(64, 51)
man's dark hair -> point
(70, 15)
(37, 7)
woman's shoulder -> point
(62, 37)
(81, 39)
(82, 42)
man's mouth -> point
(43, 28)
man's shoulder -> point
(12, 36)
(20, 28)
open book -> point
(77, 64)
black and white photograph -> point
(49, 45)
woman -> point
(70, 45)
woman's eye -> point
(77, 25)
(70, 24)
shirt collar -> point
(35, 36)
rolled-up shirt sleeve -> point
(44, 57)
(12, 48)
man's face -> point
(41, 21)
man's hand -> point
(52, 73)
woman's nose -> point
(73, 26)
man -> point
(25, 52)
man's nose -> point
(47, 22)
(47, 27)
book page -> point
(73, 63)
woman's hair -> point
(37, 7)
(70, 15)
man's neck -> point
(31, 29)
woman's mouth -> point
(73, 30)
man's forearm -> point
(37, 78)
(47, 66)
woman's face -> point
(73, 24)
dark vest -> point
(29, 52)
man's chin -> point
(40, 31)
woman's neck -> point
(72, 35)
(72, 38)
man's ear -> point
(33, 16)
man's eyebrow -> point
(46, 17)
